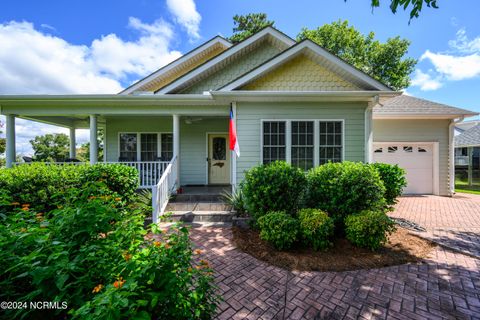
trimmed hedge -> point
(277, 186)
(316, 228)
(42, 186)
(278, 228)
(368, 229)
(393, 178)
(344, 188)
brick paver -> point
(445, 286)
(453, 222)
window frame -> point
(139, 142)
(316, 137)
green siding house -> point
(291, 101)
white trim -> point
(291, 52)
(224, 55)
(316, 137)
(207, 155)
(435, 159)
(155, 75)
(412, 116)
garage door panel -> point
(416, 160)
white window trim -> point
(139, 143)
(316, 137)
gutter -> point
(451, 152)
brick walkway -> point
(446, 286)
(453, 222)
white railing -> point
(149, 172)
(162, 191)
(461, 160)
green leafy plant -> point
(316, 228)
(92, 253)
(394, 180)
(344, 188)
(279, 229)
(277, 186)
(369, 229)
(235, 199)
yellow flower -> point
(197, 251)
(25, 208)
(26, 205)
(97, 288)
(157, 243)
(118, 199)
(127, 256)
(189, 269)
(167, 246)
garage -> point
(418, 160)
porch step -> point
(188, 206)
(196, 198)
(202, 216)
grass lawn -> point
(461, 185)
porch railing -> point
(162, 191)
(149, 172)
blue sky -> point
(102, 46)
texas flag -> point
(233, 135)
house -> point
(467, 152)
(291, 101)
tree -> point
(51, 147)
(382, 61)
(415, 5)
(246, 25)
(83, 153)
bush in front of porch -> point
(91, 251)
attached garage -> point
(419, 160)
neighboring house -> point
(291, 101)
(467, 154)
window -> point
(274, 146)
(408, 149)
(392, 149)
(149, 146)
(128, 147)
(166, 146)
(302, 144)
(330, 141)
(219, 151)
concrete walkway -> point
(446, 286)
(452, 222)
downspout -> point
(451, 150)
(369, 129)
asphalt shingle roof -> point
(470, 137)
(415, 106)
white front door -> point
(416, 159)
(218, 159)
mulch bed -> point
(402, 247)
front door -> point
(218, 159)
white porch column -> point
(73, 146)
(10, 135)
(93, 139)
(176, 144)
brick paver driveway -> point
(445, 286)
(454, 222)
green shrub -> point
(316, 228)
(279, 229)
(236, 200)
(344, 188)
(92, 253)
(277, 186)
(42, 186)
(368, 229)
(393, 178)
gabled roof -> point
(411, 107)
(180, 66)
(211, 65)
(468, 138)
(316, 53)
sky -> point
(77, 47)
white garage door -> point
(417, 160)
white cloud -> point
(34, 62)
(186, 14)
(425, 81)
(460, 62)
